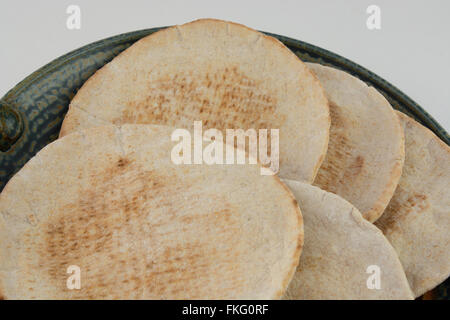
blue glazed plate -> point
(32, 112)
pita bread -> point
(340, 245)
(417, 220)
(224, 74)
(141, 227)
(366, 149)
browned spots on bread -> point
(340, 150)
(137, 243)
(122, 162)
(401, 209)
(354, 169)
(418, 200)
(223, 98)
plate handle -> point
(11, 126)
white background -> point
(411, 50)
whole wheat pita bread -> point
(224, 74)
(417, 220)
(141, 227)
(339, 247)
(366, 148)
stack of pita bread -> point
(360, 208)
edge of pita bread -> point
(300, 241)
(363, 224)
(432, 136)
(383, 200)
(396, 172)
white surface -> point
(411, 50)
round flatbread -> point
(366, 149)
(344, 255)
(417, 220)
(224, 74)
(110, 202)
